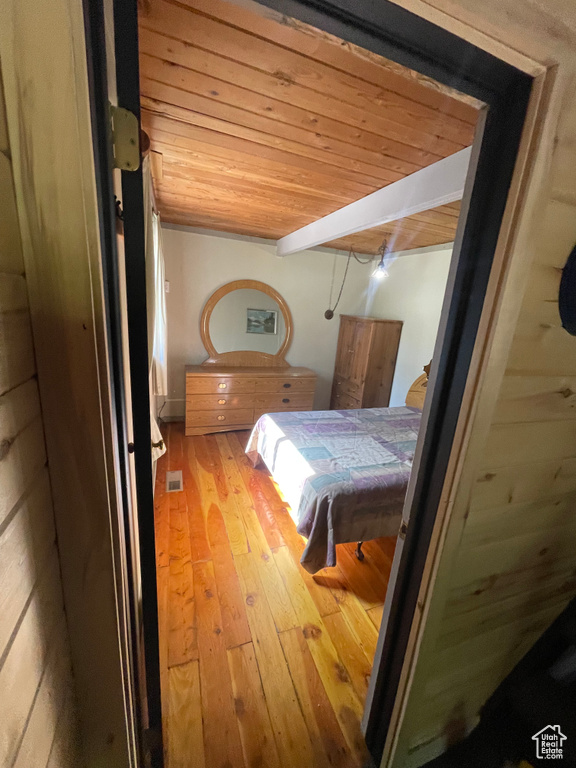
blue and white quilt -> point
(344, 473)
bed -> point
(343, 473)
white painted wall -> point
(197, 264)
(413, 292)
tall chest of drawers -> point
(222, 398)
(365, 362)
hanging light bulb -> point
(380, 273)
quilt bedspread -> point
(344, 473)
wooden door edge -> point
(485, 375)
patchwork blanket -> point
(344, 473)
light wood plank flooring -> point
(263, 665)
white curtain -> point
(156, 306)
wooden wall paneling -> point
(17, 361)
(11, 252)
(4, 150)
(26, 660)
(35, 674)
(65, 746)
(506, 485)
(490, 597)
(43, 57)
(52, 694)
(24, 547)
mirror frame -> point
(245, 357)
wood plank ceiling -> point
(265, 124)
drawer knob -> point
(287, 386)
(222, 385)
(285, 399)
(221, 418)
(221, 402)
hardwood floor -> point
(263, 665)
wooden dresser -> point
(365, 362)
(221, 398)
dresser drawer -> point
(207, 385)
(283, 401)
(285, 384)
(345, 403)
(347, 387)
(219, 418)
(223, 401)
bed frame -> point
(417, 392)
(414, 399)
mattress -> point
(343, 473)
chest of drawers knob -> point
(222, 386)
(285, 399)
(221, 402)
(287, 385)
(221, 418)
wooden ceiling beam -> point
(430, 187)
(401, 234)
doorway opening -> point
(272, 142)
(309, 193)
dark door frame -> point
(145, 654)
(404, 37)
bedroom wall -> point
(44, 69)
(197, 264)
(413, 292)
(38, 708)
(508, 564)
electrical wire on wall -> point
(329, 314)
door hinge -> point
(125, 138)
(403, 530)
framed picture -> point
(262, 321)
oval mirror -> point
(246, 322)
